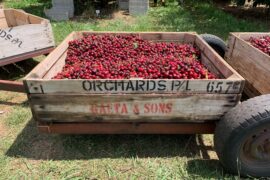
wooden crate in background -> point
(23, 35)
(251, 63)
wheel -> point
(216, 43)
(242, 138)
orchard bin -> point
(192, 106)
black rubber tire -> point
(234, 128)
(216, 43)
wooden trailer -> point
(111, 106)
(250, 62)
(161, 106)
(23, 36)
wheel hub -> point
(256, 148)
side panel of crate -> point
(250, 62)
(124, 107)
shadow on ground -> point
(34, 145)
(17, 70)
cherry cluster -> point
(262, 43)
(128, 56)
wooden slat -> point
(246, 36)
(25, 56)
(153, 36)
(3, 23)
(57, 67)
(127, 128)
(43, 67)
(146, 108)
(26, 38)
(220, 64)
(2, 14)
(210, 66)
(35, 19)
(11, 21)
(21, 17)
(11, 86)
(220, 86)
(252, 64)
(230, 45)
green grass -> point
(27, 154)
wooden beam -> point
(12, 86)
(127, 128)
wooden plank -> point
(57, 67)
(230, 45)
(11, 86)
(253, 65)
(35, 19)
(25, 56)
(146, 108)
(21, 17)
(2, 14)
(43, 67)
(11, 21)
(127, 128)
(187, 37)
(22, 39)
(3, 23)
(246, 36)
(135, 86)
(210, 66)
(220, 64)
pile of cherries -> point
(128, 56)
(262, 43)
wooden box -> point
(251, 63)
(23, 35)
(160, 100)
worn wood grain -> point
(57, 67)
(26, 38)
(3, 23)
(135, 86)
(2, 14)
(146, 108)
(43, 67)
(11, 21)
(220, 64)
(14, 59)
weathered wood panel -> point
(43, 67)
(222, 66)
(24, 56)
(2, 14)
(3, 23)
(10, 17)
(251, 63)
(219, 86)
(146, 108)
(187, 37)
(21, 17)
(21, 39)
(57, 67)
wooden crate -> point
(133, 100)
(250, 62)
(23, 35)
